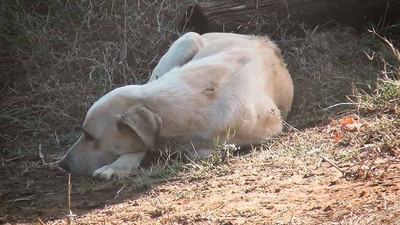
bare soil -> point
(248, 190)
(96, 46)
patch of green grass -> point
(223, 154)
(385, 99)
(144, 178)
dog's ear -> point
(146, 124)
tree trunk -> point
(245, 15)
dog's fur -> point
(201, 88)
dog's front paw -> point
(104, 172)
(121, 167)
(108, 171)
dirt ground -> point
(256, 195)
(59, 56)
(280, 184)
(248, 190)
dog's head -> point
(114, 125)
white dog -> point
(201, 88)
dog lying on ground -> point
(201, 88)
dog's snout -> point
(63, 164)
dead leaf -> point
(348, 120)
(350, 124)
(338, 138)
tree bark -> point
(244, 15)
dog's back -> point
(245, 47)
(234, 81)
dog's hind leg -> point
(180, 53)
(120, 167)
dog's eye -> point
(88, 136)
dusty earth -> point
(249, 189)
(281, 184)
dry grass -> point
(60, 56)
(369, 149)
(326, 68)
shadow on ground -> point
(27, 194)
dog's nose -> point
(63, 164)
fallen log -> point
(241, 15)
